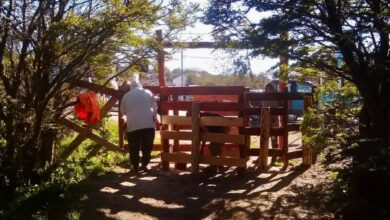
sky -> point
(213, 61)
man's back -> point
(139, 105)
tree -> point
(44, 46)
(317, 31)
(359, 30)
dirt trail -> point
(158, 194)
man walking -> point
(140, 108)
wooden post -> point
(306, 150)
(195, 137)
(264, 137)
(176, 143)
(160, 59)
(285, 129)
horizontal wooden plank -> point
(295, 154)
(88, 133)
(293, 127)
(176, 157)
(98, 88)
(222, 138)
(221, 121)
(175, 105)
(276, 131)
(271, 152)
(252, 131)
(274, 96)
(176, 135)
(257, 110)
(223, 161)
(176, 120)
(206, 44)
(203, 90)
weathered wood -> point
(176, 135)
(176, 157)
(98, 88)
(90, 135)
(221, 121)
(87, 130)
(203, 90)
(206, 44)
(264, 137)
(223, 161)
(306, 149)
(271, 96)
(177, 120)
(284, 140)
(222, 138)
(160, 60)
(195, 137)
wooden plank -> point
(223, 161)
(205, 106)
(293, 127)
(307, 153)
(176, 157)
(176, 135)
(160, 60)
(274, 96)
(251, 131)
(98, 88)
(221, 121)
(257, 110)
(90, 135)
(176, 120)
(202, 90)
(264, 137)
(206, 44)
(83, 135)
(295, 154)
(195, 138)
(222, 138)
(271, 152)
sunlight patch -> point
(159, 203)
(109, 190)
(127, 183)
(148, 178)
(128, 196)
(238, 191)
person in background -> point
(140, 109)
(275, 121)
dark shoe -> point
(133, 170)
(144, 169)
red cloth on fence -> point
(87, 108)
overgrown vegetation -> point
(42, 201)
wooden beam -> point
(264, 137)
(90, 135)
(307, 152)
(223, 161)
(221, 121)
(206, 44)
(98, 88)
(176, 157)
(160, 60)
(176, 135)
(222, 138)
(195, 137)
(87, 130)
(176, 120)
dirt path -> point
(273, 194)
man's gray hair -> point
(135, 84)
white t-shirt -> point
(139, 106)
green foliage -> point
(62, 185)
(67, 41)
(251, 81)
